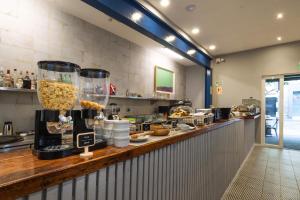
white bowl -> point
(121, 132)
(121, 141)
(109, 140)
(121, 124)
(108, 124)
(108, 133)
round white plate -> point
(140, 139)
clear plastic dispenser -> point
(94, 95)
(58, 89)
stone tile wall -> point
(33, 30)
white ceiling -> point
(236, 25)
(93, 16)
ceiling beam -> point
(150, 25)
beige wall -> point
(195, 85)
(33, 30)
(241, 74)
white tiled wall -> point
(33, 30)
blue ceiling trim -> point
(149, 25)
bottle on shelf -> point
(1, 77)
(15, 76)
(33, 81)
(8, 79)
(27, 81)
(19, 81)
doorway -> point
(291, 136)
(272, 111)
(281, 111)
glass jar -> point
(58, 85)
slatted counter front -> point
(196, 165)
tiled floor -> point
(267, 174)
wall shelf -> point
(7, 89)
(141, 98)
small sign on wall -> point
(219, 87)
(219, 90)
(298, 66)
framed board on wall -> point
(164, 80)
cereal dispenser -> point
(93, 97)
(58, 90)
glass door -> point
(272, 111)
(291, 137)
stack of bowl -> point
(108, 131)
(121, 133)
(116, 132)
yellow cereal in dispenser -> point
(57, 95)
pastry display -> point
(179, 112)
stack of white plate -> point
(116, 132)
(108, 131)
(121, 133)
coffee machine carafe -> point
(57, 88)
(94, 95)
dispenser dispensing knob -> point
(64, 119)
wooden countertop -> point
(21, 173)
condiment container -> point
(121, 141)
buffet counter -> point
(198, 162)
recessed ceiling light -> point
(279, 16)
(279, 38)
(195, 30)
(190, 8)
(212, 47)
(136, 16)
(191, 51)
(170, 38)
(164, 3)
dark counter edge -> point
(251, 116)
(31, 184)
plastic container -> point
(108, 124)
(57, 85)
(120, 132)
(109, 139)
(94, 88)
(121, 124)
(108, 136)
(121, 141)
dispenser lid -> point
(94, 73)
(58, 66)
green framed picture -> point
(163, 80)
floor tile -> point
(289, 194)
(290, 183)
(271, 188)
(270, 196)
(250, 194)
(268, 174)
